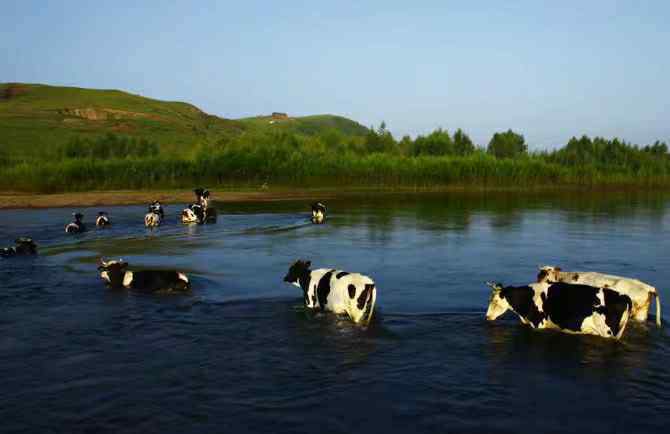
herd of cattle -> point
(573, 302)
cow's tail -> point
(658, 309)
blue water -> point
(241, 355)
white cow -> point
(640, 293)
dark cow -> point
(76, 226)
(155, 216)
(24, 246)
(318, 213)
(334, 290)
(570, 308)
(102, 220)
(117, 276)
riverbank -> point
(129, 197)
(17, 200)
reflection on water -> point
(240, 354)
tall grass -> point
(332, 160)
(307, 169)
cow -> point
(318, 213)
(155, 216)
(640, 292)
(200, 211)
(24, 246)
(76, 226)
(102, 220)
(570, 308)
(337, 291)
(193, 213)
(117, 276)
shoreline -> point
(19, 200)
(9, 200)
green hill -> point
(36, 119)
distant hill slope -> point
(35, 119)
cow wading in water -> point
(566, 307)
(337, 291)
(639, 292)
(199, 212)
(102, 220)
(117, 276)
(24, 246)
(318, 213)
(155, 216)
(76, 226)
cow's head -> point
(498, 305)
(548, 273)
(202, 196)
(113, 272)
(155, 207)
(77, 216)
(299, 269)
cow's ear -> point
(541, 275)
(308, 264)
(557, 268)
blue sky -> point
(549, 71)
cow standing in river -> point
(639, 292)
(569, 308)
(335, 291)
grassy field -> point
(35, 120)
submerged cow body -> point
(117, 276)
(318, 213)
(566, 307)
(639, 292)
(76, 225)
(335, 291)
(155, 216)
(24, 246)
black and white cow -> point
(200, 211)
(76, 226)
(117, 276)
(639, 292)
(155, 216)
(193, 213)
(318, 213)
(102, 220)
(326, 289)
(569, 308)
(24, 246)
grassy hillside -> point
(36, 119)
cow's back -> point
(637, 290)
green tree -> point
(507, 145)
(436, 143)
(380, 140)
(462, 143)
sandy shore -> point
(129, 197)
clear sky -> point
(549, 70)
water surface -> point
(241, 355)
